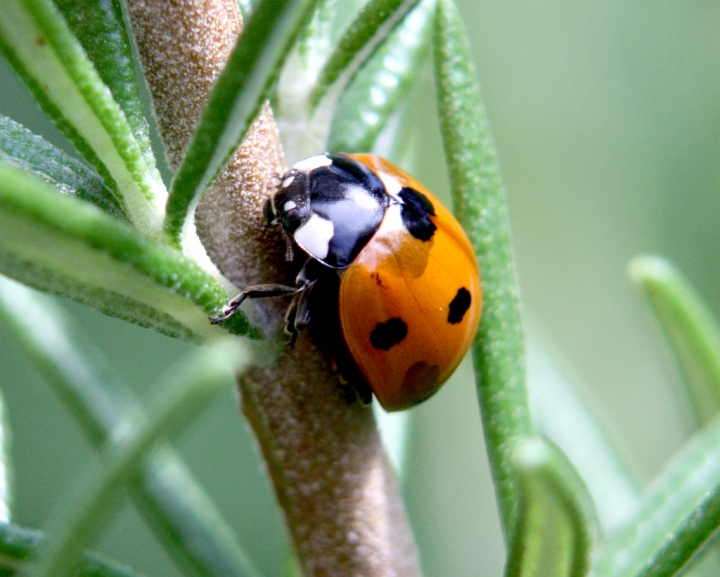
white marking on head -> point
(314, 236)
(288, 181)
(312, 163)
(289, 205)
(392, 185)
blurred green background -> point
(606, 120)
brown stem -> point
(330, 473)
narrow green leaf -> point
(18, 545)
(22, 148)
(561, 416)
(383, 84)
(314, 42)
(304, 131)
(175, 505)
(38, 43)
(679, 517)
(376, 20)
(100, 28)
(690, 328)
(186, 520)
(176, 400)
(88, 388)
(63, 245)
(480, 205)
(6, 469)
(234, 102)
(555, 516)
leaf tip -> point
(647, 269)
(530, 454)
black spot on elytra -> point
(388, 334)
(416, 211)
(459, 306)
(417, 199)
(422, 379)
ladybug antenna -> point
(289, 253)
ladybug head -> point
(290, 205)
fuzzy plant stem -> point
(337, 490)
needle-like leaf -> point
(22, 148)
(100, 28)
(376, 20)
(37, 41)
(561, 416)
(555, 516)
(678, 518)
(480, 206)
(63, 245)
(19, 545)
(175, 505)
(382, 85)
(690, 328)
(6, 468)
(179, 398)
(234, 103)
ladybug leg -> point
(297, 317)
(302, 312)
(259, 291)
(290, 322)
(290, 317)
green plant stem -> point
(315, 40)
(178, 399)
(480, 205)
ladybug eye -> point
(291, 209)
(293, 219)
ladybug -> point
(409, 295)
